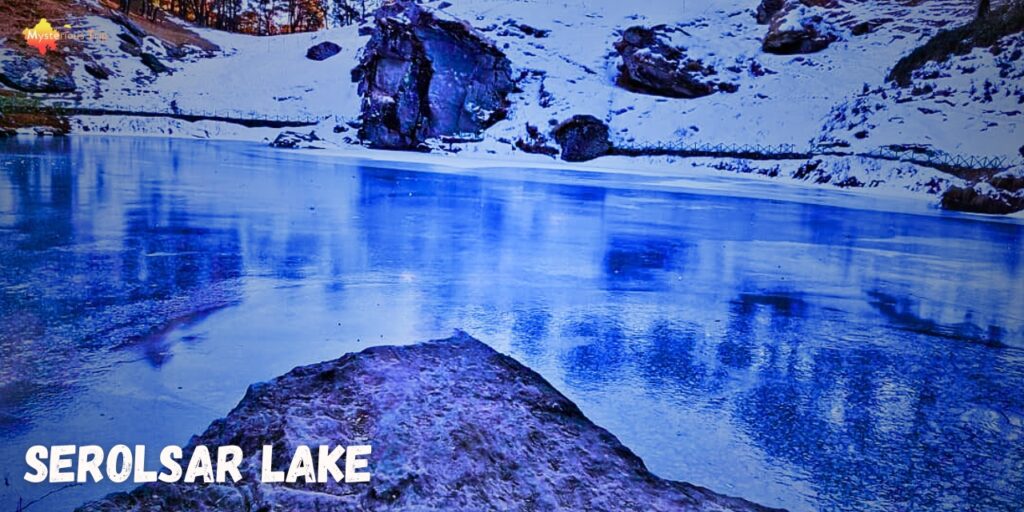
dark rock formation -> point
(1000, 195)
(130, 38)
(1009, 181)
(535, 142)
(293, 140)
(454, 426)
(868, 26)
(582, 138)
(128, 24)
(322, 51)
(797, 29)
(97, 71)
(522, 30)
(422, 76)
(130, 49)
(993, 201)
(153, 63)
(652, 66)
(767, 9)
(176, 52)
(30, 73)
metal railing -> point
(19, 105)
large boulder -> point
(798, 28)
(424, 75)
(1001, 194)
(453, 426)
(651, 65)
(30, 73)
(582, 138)
(322, 51)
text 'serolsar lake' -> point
(798, 355)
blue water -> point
(800, 355)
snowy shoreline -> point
(697, 175)
(837, 97)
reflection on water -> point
(799, 355)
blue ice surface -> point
(796, 354)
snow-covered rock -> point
(30, 73)
(1000, 194)
(651, 66)
(424, 76)
(767, 9)
(799, 29)
(293, 140)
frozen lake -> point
(799, 355)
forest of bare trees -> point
(260, 17)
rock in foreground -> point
(454, 426)
(424, 76)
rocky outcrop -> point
(868, 26)
(454, 426)
(535, 142)
(129, 25)
(153, 63)
(767, 9)
(1000, 195)
(798, 28)
(30, 73)
(294, 140)
(582, 138)
(97, 71)
(423, 75)
(650, 65)
(322, 51)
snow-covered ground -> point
(970, 105)
(838, 94)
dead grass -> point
(17, 15)
(166, 30)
